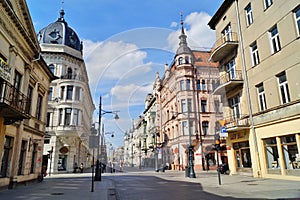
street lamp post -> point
(191, 163)
(101, 113)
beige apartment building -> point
(24, 86)
(186, 109)
(257, 48)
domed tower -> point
(59, 32)
(70, 105)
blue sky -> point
(125, 44)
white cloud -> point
(174, 24)
(199, 35)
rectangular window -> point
(249, 14)
(198, 85)
(203, 106)
(297, 18)
(33, 158)
(274, 40)
(283, 88)
(203, 85)
(62, 92)
(75, 117)
(50, 96)
(77, 93)
(261, 97)
(69, 92)
(254, 54)
(60, 119)
(182, 87)
(272, 153)
(290, 151)
(227, 34)
(22, 158)
(68, 116)
(48, 119)
(268, 3)
(29, 95)
(189, 105)
(6, 156)
(17, 80)
(188, 84)
(185, 129)
(205, 127)
(234, 104)
(38, 113)
(230, 69)
(183, 106)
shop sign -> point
(5, 70)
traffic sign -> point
(223, 132)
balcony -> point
(234, 123)
(229, 81)
(72, 77)
(14, 105)
(224, 46)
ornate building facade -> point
(187, 111)
(24, 86)
(70, 105)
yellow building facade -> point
(24, 84)
(257, 48)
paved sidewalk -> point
(62, 186)
(237, 186)
(79, 186)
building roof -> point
(59, 32)
(219, 14)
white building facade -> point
(70, 105)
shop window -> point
(271, 153)
(242, 154)
(290, 152)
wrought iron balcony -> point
(229, 81)
(14, 105)
(224, 46)
(235, 123)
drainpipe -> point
(247, 88)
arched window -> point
(51, 67)
(180, 60)
(187, 60)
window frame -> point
(283, 88)
(297, 20)
(249, 14)
(261, 97)
(274, 40)
(268, 3)
(254, 54)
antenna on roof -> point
(62, 4)
(181, 22)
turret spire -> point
(62, 12)
(183, 47)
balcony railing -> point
(72, 77)
(223, 46)
(229, 81)
(14, 104)
(237, 122)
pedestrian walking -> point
(81, 168)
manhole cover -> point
(57, 193)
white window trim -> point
(254, 54)
(296, 21)
(249, 15)
(261, 95)
(276, 39)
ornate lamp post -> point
(101, 113)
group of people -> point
(76, 168)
